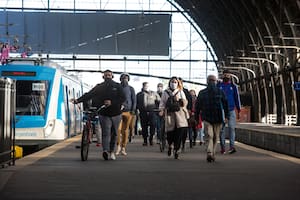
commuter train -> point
(44, 113)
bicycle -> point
(163, 138)
(88, 131)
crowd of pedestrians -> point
(174, 111)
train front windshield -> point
(31, 97)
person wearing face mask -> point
(193, 133)
(146, 103)
(110, 96)
(176, 123)
(128, 111)
(160, 88)
(159, 119)
(211, 103)
(233, 97)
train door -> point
(67, 111)
(74, 114)
(78, 113)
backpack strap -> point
(170, 94)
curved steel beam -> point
(261, 59)
(282, 47)
(244, 68)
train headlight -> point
(49, 128)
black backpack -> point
(172, 105)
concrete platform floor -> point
(145, 173)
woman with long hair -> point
(173, 107)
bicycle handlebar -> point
(94, 110)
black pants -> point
(148, 119)
(175, 137)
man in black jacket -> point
(110, 96)
(212, 105)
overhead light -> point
(281, 37)
(282, 47)
(253, 45)
(291, 38)
(291, 24)
(244, 63)
(269, 36)
(268, 52)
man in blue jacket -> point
(233, 98)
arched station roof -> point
(236, 25)
(263, 37)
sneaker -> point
(231, 150)
(222, 151)
(112, 156)
(182, 149)
(169, 151)
(210, 158)
(123, 152)
(145, 144)
(98, 144)
(118, 150)
(176, 154)
(105, 155)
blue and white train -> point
(44, 113)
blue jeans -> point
(231, 131)
(109, 126)
(159, 121)
(200, 132)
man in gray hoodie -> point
(128, 110)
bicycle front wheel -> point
(162, 144)
(85, 143)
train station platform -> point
(57, 172)
(274, 137)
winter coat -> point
(232, 94)
(107, 90)
(177, 119)
(212, 104)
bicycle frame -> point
(87, 133)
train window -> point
(31, 97)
